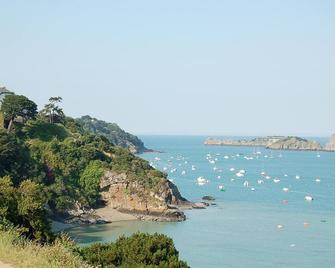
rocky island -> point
(276, 143)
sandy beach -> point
(114, 215)
(106, 213)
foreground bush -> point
(138, 250)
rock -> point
(271, 142)
(199, 206)
(127, 195)
(208, 198)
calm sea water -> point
(256, 226)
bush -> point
(138, 250)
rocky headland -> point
(276, 143)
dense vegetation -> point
(155, 251)
(49, 162)
(113, 133)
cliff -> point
(295, 143)
(161, 202)
(113, 133)
(330, 146)
(271, 142)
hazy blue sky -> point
(177, 67)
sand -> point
(113, 215)
(105, 213)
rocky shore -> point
(161, 203)
(276, 143)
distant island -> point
(276, 143)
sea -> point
(260, 216)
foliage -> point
(138, 250)
(37, 129)
(52, 111)
(48, 167)
(90, 180)
(18, 105)
(24, 206)
(15, 158)
(113, 133)
(21, 252)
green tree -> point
(14, 157)
(138, 250)
(8, 204)
(52, 111)
(90, 181)
(31, 201)
(14, 106)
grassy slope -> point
(22, 253)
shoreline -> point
(110, 215)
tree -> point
(14, 157)
(14, 106)
(31, 202)
(53, 111)
(138, 250)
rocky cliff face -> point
(330, 146)
(161, 203)
(271, 142)
(295, 143)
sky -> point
(177, 67)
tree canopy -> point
(14, 106)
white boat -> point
(193, 167)
(238, 174)
(308, 198)
(201, 181)
(317, 180)
(267, 177)
(219, 177)
(297, 177)
(246, 184)
(260, 181)
(285, 189)
(232, 169)
(252, 189)
(276, 180)
(183, 172)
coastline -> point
(108, 214)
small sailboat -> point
(222, 188)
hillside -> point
(113, 133)
(51, 168)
